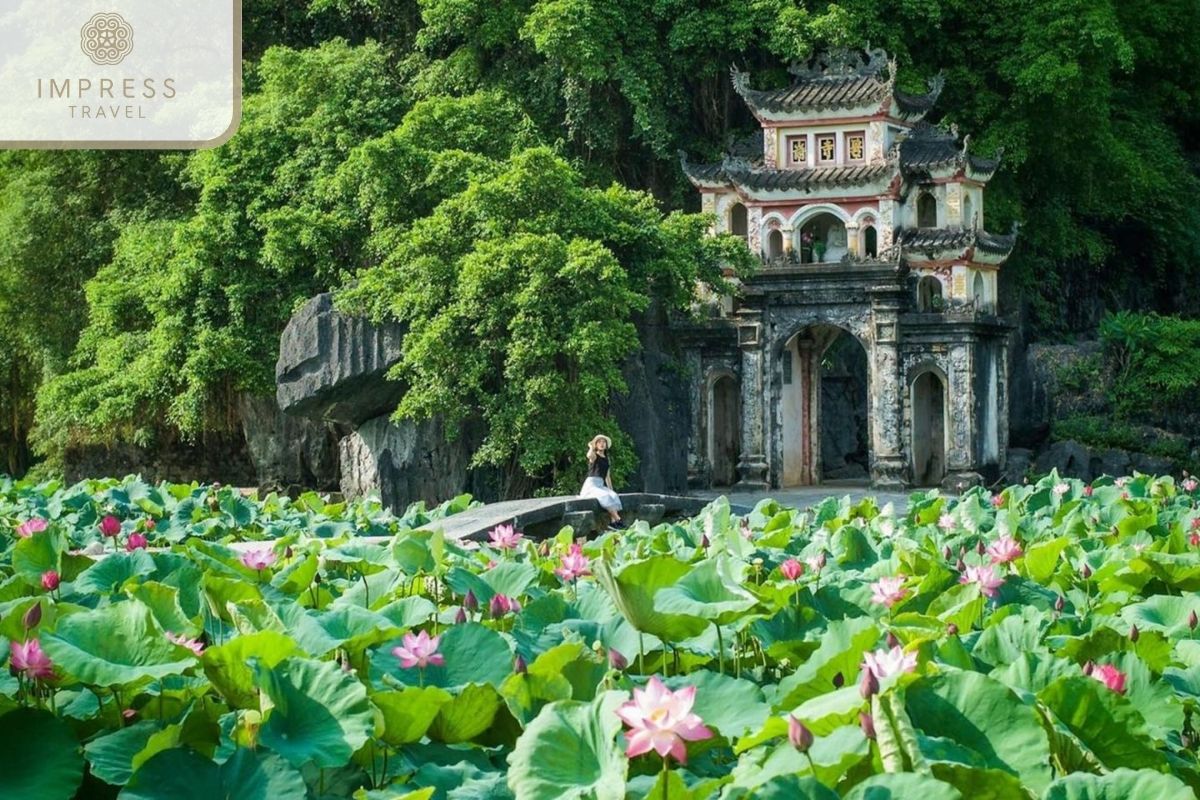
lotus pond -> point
(1037, 643)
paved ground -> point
(804, 496)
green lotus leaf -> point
(40, 758)
(181, 774)
(633, 588)
(228, 665)
(1107, 723)
(420, 552)
(33, 555)
(841, 651)
(111, 755)
(466, 715)
(473, 654)
(902, 786)
(1166, 613)
(782, 787)
(983, 715)
(163, 602)
(408, 713)
(110, 573)
(113, 645)
(570, 750)
(1120, 784)
(510, 578)
(319, 713)
(711, 591)
(978, 783)
(408, 612)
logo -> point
(106, 39)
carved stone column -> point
(888, 462)
(752, 463)
(697, 473)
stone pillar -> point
(888, 463)
(852, 240)
(752, 463)
(697, 474)
(788, 240)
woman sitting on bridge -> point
(598, 483)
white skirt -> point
(595, 487)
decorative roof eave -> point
(862, 89)
(704, 176)
(949, 244)
(914, 107)
(930, 154)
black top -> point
(598, 468)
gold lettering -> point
(106, 85)
(81, 86)
(127, 88)
(63, 90)
(149, 88)
(169, 88)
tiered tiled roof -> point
(934, 240)
(839, 81)
(754, 177)
(927, 148)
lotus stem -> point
(720, 649)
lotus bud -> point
(961, 565)
(979, 548)
(704, 541)
(1192, 620)
(616, 660)
(287, 553)
(892, 641)
(1087, 491)
(962, 550)
(136, 541)
(149, 524)
(952, 629)
(947, 553)
(867, 724)
(868, 685)
(839, 680)
(110, 526)
(1134, 633)
(799, 734)
(1087, 571)
(461, 616)
(33, 616)
(1060, 604)
(50, 580)
(1088, 667)
(519, 665)
(821, 560)
(470, 602)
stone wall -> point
(213, 457)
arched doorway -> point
(928, 429)
(822, 239)
(968, 212)
(824, 413)
(737, 220)
(929, 294)
(979, 291)
(724, 443)
(870, 242)
(774, 244)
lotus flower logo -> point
(106, 38)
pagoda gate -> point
(867, 344)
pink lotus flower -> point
(136, 541)
(1004, 550)
(50, 580)
(1194, 540)
(799, 734)
(503, 604)
(946, 522)
(28, 657)
(816, 563)
(195, 645)
(987, 578)
(662, 721)
(31, 526)
(617, 660)
(1061, 489)
(1190, 484)
(419, 651)
(791, 569)
(888, 591)
(998, 501)
(574, 564)
(110, 526)
(886, 663)
(1087, 491)
(259, 559)
(1110, 676)
(505, 537)
(149, 523)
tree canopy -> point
(380, 137)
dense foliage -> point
(195, 261)
(1153, 371)
(1036, 643)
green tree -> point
(519, 293)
